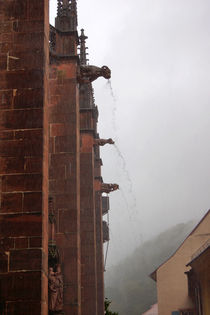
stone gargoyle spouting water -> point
(107, 188)
(88, 74)
(102, 142)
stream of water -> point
(109, 85)
(126, 187)
(129, 187)
(111, 90)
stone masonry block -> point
(21, 147)
(22, 79)
(28, 26)
(21, 225)
(16, 9)
(60, 172)
(32, 202)
(67, 220)
(25, 259)
(26, 60)
(11, 203)
(65, 144)
(21, 119)
(70, 268)
(28, 134)
(62, 158)
(11, 148)
(3, 61)
(64, 200)
(5, 47)
(7, 243)
(63, 118)
(62, 186)
(27, 307)
(58, 130)
(6, 135)
(5, 26)
(6, 97)
(28, 98)
(20, 286)
(69, 294)
(11, 165)
(3, 262)
(30, 40)
(36, 11)
(33, 165)
(6, 37)
(35, 242)
(21, 242)
(27, 182)
(71, 308)
(66, 241)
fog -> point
(158, 112)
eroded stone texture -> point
(64, 170)
(24, 54)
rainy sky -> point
(157, 109)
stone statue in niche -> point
(102, 142)
(88, 74)
(107, 188)
(55, 291)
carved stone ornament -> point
(55, 280)
(52, 38)
(64, 7)
(52, 218)
(53, 254)
(88, 74)
(107, 188)
(102, 142)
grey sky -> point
(159, 53)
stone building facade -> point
(51, 190)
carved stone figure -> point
(107, 188)
(55, 290)
(89, 74)
(102, 142)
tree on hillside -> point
(107, 311)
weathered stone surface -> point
(32, 202)
(20, 286)
(27, 307)
(25, 259)
(21, 242)
(20, 225)
(64, 175)
(11, 202)
(26, 182)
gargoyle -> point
(88, 74)
(107, 188)
(102, 142)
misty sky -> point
(159, 54)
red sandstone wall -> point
(88, 222)
(24, 126)
(23, 156)
(65, 175)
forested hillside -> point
(128, 284)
